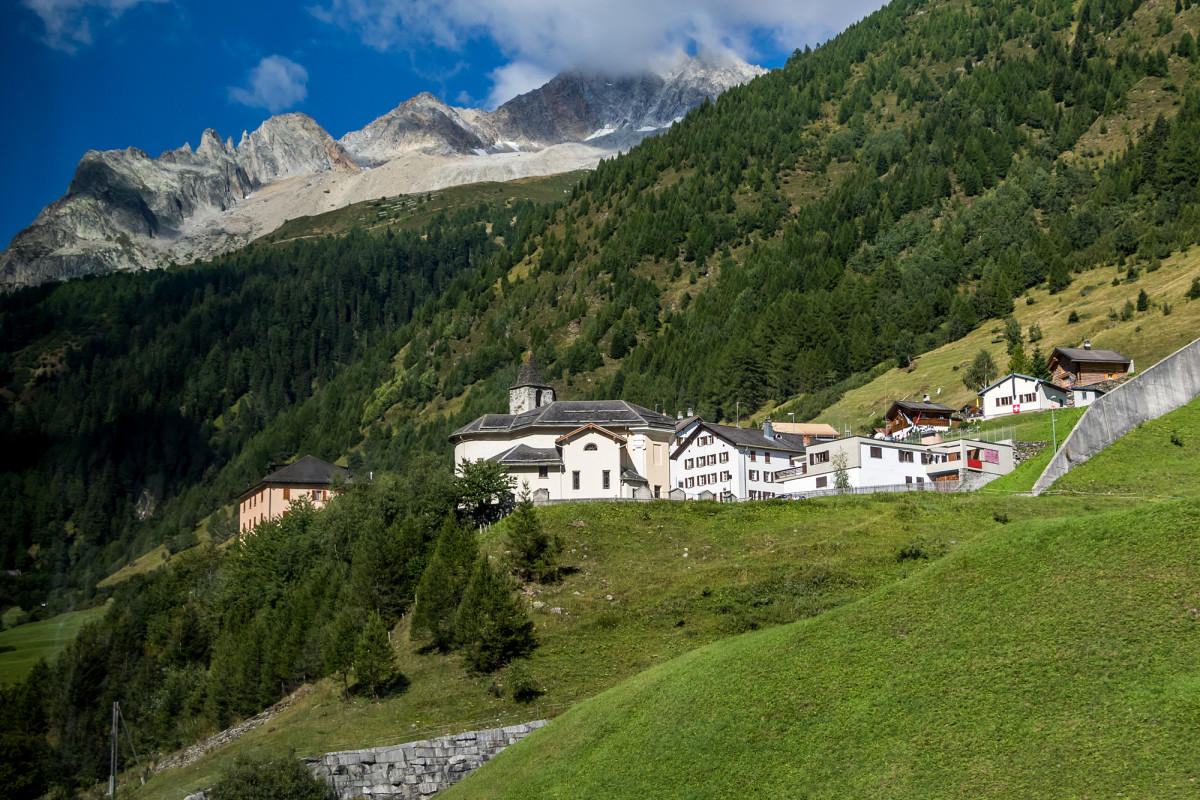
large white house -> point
(572, 450)
(725, 462)
(1016, 393)
(870, 463)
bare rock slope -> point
(126, 211)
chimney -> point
(768, 428)
(1087, 344)
(678, 415)
(690, 412)
(926, 400)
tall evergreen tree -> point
(443, 584)
(491, 627)
(534, 551)
(374, 658)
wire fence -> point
(927, 486)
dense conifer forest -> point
(878, 197)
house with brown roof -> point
(272, 497)
(572, 449)
(1084, 366)
(904, 415)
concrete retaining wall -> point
(1168, 385)
(415, 769)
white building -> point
(879, 463)
(1016, 393)
(732, 463)
(572, 450)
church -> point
(572, 449)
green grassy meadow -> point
(36, 640)
(680, 575)
(1054, 657)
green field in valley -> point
(22, 646)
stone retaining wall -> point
(415, 769)
(1168, 385)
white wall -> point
(733, 475)
(1019, 390)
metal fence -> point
(975, 432)
(928, 486)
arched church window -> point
(589, 446)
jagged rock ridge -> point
(126, 211)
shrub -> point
(1073, 317)
(1176, 439)
(522, 684)
(283, 778)
(913, 550)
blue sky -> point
(105, 74)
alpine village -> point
(834, 436)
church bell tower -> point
(531, 390)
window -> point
(820, 458)
(876, 452)
(657, 492)
(575, 480)
(712, 477)
(604, 482)
(753, 474)
(767, 458)
(724, 457)
(908, 478)
(725, 476)
(688, 464)
(287, 494)
(906, 456)
(822, 482)
(691, 482)
(768, 477)
(317, 495)
(753, 455)
(920, 479)
(712, 459)
(543, 472)
(590, 447)
(702, 480)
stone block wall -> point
(416, 769)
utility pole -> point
(112, 773)
(738, 408)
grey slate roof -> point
(523, 455)
(530, 374)
(745, 437)
(1085, 354)
(683, 423)
(631, 476)
(569, 414)
(307, 471)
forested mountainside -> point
(877, 197)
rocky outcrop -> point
(126, 211)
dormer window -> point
(589, 447)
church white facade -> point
(572, 450)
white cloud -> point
(69, 23)
(549, 35)
(516, 78)
(277, 83)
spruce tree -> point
(374, 659)
(1060, 275)
(443, 584)
(1019, 362)
(491, 627)
(534, 552)
(1143, 300)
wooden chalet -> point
(1083, 366)
(906, 414)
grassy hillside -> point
(1053, 657)
(1158, 459)
(680, 576)
(22, 646)
(1147, 337)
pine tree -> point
(534, 552)
(1194, 292)
(1019, 362)
(340, 641)
(1143, 300)
(1060, 275)
(374, 659)
(1039, 367)
(491, 627)
(443, 584)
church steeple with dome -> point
(531, 390)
